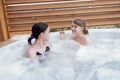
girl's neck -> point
(39, 43)
(78, 35)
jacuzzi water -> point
(67, 60)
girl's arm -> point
(30, 53)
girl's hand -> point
(62, 34)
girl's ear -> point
(41, 35)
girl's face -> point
(75, 28)
(46, 34)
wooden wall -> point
(22, 14)
(3, 24)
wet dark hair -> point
(36, 30)
(81, 23)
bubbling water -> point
(67, 61)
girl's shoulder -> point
(47, 43)
(31, 51)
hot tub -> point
(99, 61)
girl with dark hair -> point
(41, 44)
(79, 31)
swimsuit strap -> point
(47, 49)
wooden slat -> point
(99, 15)
(40, 19)
(21, 27)
(19, 32)
(62, 18)
(64, 12)
(8, 2)
(91, 22)
(26, 27)
(60, 5)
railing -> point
(20, 15)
